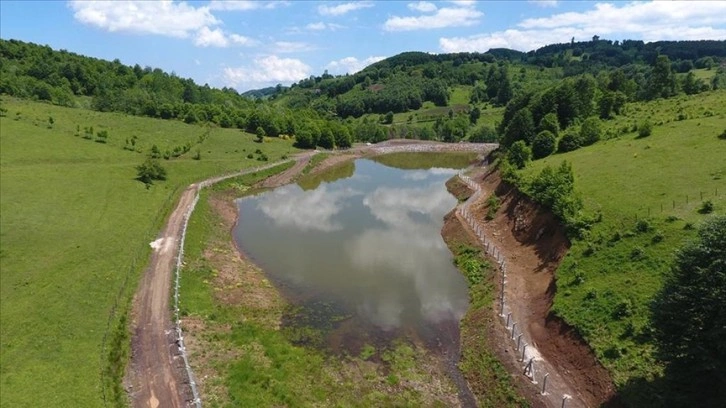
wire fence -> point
(179, 334)
(527, 355)
(196, 399)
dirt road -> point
(157, 376)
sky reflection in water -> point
(370, 242)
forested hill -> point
(413, 94)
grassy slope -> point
(74, 225)
(604, 291)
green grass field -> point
(649, 191)
(75, 229)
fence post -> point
(514, 327)
(544, 383)
(524, 348)
(509, 316)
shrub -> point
(590, 131)
(493, 204)
(624, 308)
(519, 154)
(642, 226)
(658, 237)
(722, 136)
(706, 207)
(645, 129)
(484, 134)
(637, 253)
(150, 170)
(569, 142)
(544, 144)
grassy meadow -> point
(75, 230)
(649, 191)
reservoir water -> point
(360, 253)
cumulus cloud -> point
(266, 71)
(460, 16)
(423, 6)
(651, 21)
(245, 5)
(167, 18)
(343, 8)
(351, 65)
(144, 17)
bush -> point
(642, 226)
(645, 129)
(484, 134)
(493, 204)
(519, 154)
(658, 237)
(706, 207)
(149, 171)
(590, 131)
(722, 136)
(544, 144)
(569, 142)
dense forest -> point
(553, 97)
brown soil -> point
(156, 377)
(529, 238)
(533, 243)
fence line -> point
(177, 322)
(196, 401)
(529, 354)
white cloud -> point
(351, 65)
(167, 18)
(242, 40)
(444, 17)
(423, 6)
(319, 26)
(144, 17)
(316, 26)
(463, 3)
(266, 71)
(245, 5)
(651, 21)
(544, 3)
(293, 46)
(211, 38)
(343, 8)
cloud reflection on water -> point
(289, 206)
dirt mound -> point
(533, 242)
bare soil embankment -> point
(533, 243)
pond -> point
(359, 251)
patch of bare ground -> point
(480, 337)
(533, 243)
(238, 284)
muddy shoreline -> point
(454, 231)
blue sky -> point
(252, 44)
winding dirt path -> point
(157, 376)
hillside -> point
(75, 232)
(646, 195)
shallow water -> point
(363, 254)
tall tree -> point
(689, 316)
(662, 82)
